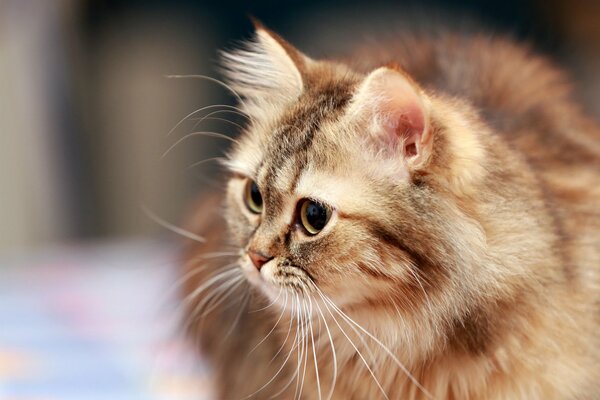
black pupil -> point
(255, 195)
(316, 215)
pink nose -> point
(258, 259)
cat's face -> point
(331, 189)
(304, 205)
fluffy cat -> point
(416, 221)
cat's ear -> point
(396, 113)
(268, 70)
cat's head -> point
(354, 185)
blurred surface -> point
(95, 322)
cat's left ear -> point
(268, 71)
(396, 112)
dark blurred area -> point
(86, 107)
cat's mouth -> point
(276, 276)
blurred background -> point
(85, 105)
(88, 284)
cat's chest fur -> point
(350, 365)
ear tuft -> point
(268, 69)
(397, 113)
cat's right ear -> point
(397, 115)
(267, 72)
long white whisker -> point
(209, 282)
(215, 295)
(210, 116)
(273, 302)
(304, 346)
(204, 161)
(286, 337)
(280, 368)
(222, 120)
(312, 338)
(244, 305)
(200, 133)
(300, 346)
(187, 300)
(208, 78)
(180, 282)
(210, 295)
(295, 346)
(216, 254)
(354, 346)
(173, 228)
(226, 292)
(384, 347)
(272, 329)
(228, 111)
(332, 351)
(181, 121)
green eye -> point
(252, 197)
(314, 216)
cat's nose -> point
(258, 258)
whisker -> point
(207, 118)
(200, 133)
(206, 284)
(272, 329)
(304, 354)
(173, 228)
(225, 294)
(193, 315)
(213, 296)
(280, 368)
(286, 337)
(273, 302)
(312, 338)
(384, 347)
(211, 279)
(228, 111)
(299, 347)
(210, 116)
(210, 79)
(332, 351)
(225, 106)
(353, 345)
(295, 346)
(204, 161)
(215, 254)
(180, 282)
(244, 305)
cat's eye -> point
(252, 197)
(314, 216)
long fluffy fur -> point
(473, 277)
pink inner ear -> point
(398, 113)
(406, 121)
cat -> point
(418, 220)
